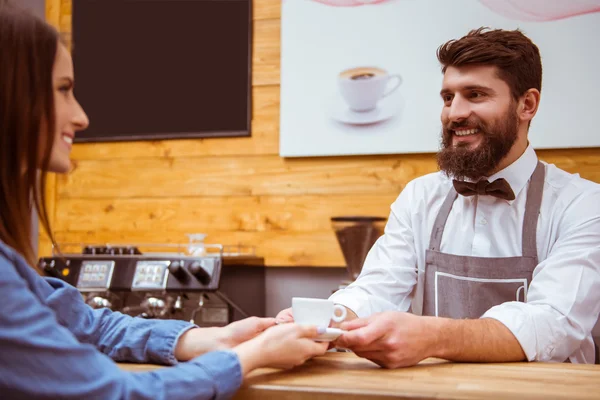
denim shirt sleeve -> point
(121, 337)
(49, 340)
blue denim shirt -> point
(54, 346)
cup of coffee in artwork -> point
(319, 312)
(363, 87)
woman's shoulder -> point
(13, 265)
(7, 253)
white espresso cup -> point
(319, 312)
(363, 87)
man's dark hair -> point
(515, 56)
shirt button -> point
(483, 221)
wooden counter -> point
(343, 375)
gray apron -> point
(466, 287)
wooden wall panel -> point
(230, 213)
(238, 190)
(239, 176)
(266, 52)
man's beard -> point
(461, 162)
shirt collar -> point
(518, 173)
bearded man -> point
(496, 257)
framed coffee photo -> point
(163, 69)
(362, 76)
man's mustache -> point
(464, 124)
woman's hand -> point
(246, 329)
(282, 346)
(285, 316)
(196, 342)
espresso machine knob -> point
(176, 269)
(155, 307)
(97, 302)
(200, 273)
(49, 268)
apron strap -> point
(434, 244)
(440, 221)
(532, 211)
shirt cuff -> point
(216, 375)
(165, 336)
(525, 322)
(352, 301)
(225, 369)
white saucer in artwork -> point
(386, 109)
(329, 335)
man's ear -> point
(528, 105)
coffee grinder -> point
(356, 235)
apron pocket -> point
(466, 297)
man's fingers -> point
(354, 324)
(377, 345)
(361, 337)
(377, 357)
(319, 347)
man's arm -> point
(479, 340)
(563, 299)
(398, 339)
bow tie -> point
(498, 188)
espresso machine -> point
(356, 235)
(206, 284)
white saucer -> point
(385, 109)
(329, 335)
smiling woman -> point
(48, 335)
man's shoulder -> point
(424, 190)
(430, 183)
(566, 189)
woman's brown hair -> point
(28, 47)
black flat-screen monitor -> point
(163, 69)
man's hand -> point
(196, 342)
(395, 339)
(390, 339)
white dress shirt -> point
(563, 301)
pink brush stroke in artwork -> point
(349, 3)
(541, 10)
(522, 10)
